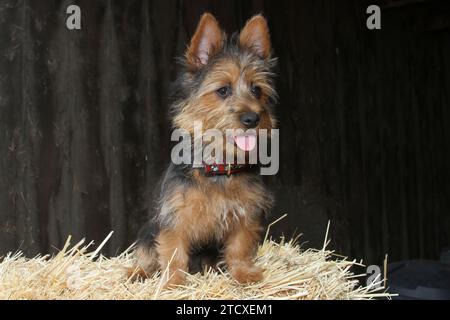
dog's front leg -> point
(173, 252)
(240, 249)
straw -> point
(290, 273)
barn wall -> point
(364, 120)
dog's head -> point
(227, 83)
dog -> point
(215, 212)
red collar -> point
(224, 169)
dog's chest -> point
(214, 208)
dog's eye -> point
(224, 92)
(256, 91)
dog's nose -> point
(250, 119)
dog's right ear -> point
(206, 42)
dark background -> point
(364, 118)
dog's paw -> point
(136, 273)
(176, 279)
(247, 274)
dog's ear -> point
(206, 42)
(256, 37)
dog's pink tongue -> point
(246, 143)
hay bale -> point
(77, 273)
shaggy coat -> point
(198, 219)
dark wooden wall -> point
(364, 120)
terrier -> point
(215, 212)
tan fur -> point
(173, 252)
(208, 211)
(239, 251)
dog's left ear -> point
(256, 37)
